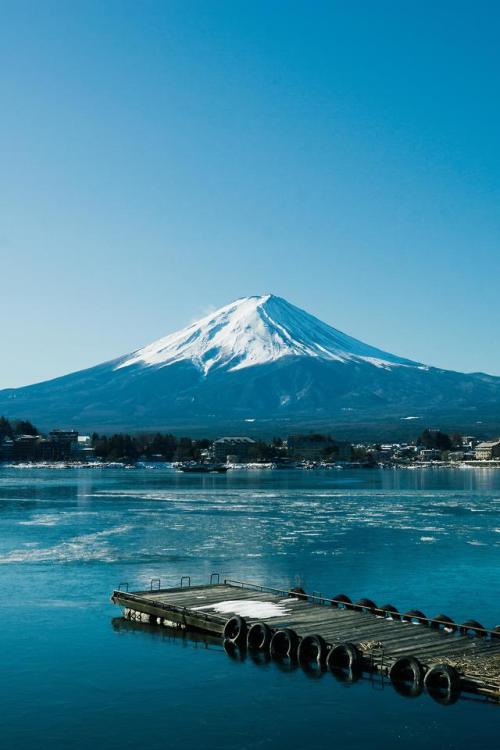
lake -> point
(75, 675)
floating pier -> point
(348, 637)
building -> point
(232, 449)
(64, 443)
(429, 454)
(82, 450)
(488, 450)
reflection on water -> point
(419, 539)
(311, 669)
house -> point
(232, 449)
(488, 450)
(429, 454)
(82, 450)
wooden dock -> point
(334, 633)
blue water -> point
(75, 675)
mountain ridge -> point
(259, 365)
(257, 329)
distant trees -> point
(132, 447)
(434, 439)
(261, 451)
(5, 428)
(457, 440)
(13, 429)
(23, 427)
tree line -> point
(168, 447)
(16, 428)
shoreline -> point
(174, 466)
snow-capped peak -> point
(253, 331)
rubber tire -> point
(318, 644)
(342, 599)
(391, 609)
(364, 603)
(235, 630)
(259, 636)
(284, 643)
(407, 617)
(472, 625)
(343, 652)
(398, 676)
(452, 687)
(443, 620)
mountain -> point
(260, 365)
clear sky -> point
(159, 159)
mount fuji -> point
(260, 365)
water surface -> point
(76, 675)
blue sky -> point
(159, 159)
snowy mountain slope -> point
(254, 331)
(259, 365)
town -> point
(21, 442)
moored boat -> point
(202, 468)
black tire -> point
(473, 625)
(284, 643)
(442, 682)
(495, 633)
(343, 656)
(342, 599)
(363, 604)
(259, 636)
(415, 614)
(389, 609)
(312, 648)
(445, 621)
(407, 676)
(235, 630)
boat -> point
(202, 468)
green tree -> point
(434, 439)
(5, 428)
(23, 427)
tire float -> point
(443, 621)
(284, 644)
(342, 601)
(235, 630)
(365, 605)
(442, 682)
(389, 611)
(259, 636)
(415, 614)
(472, 626)
(407, 675)
(312, 648)
(343, 656)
